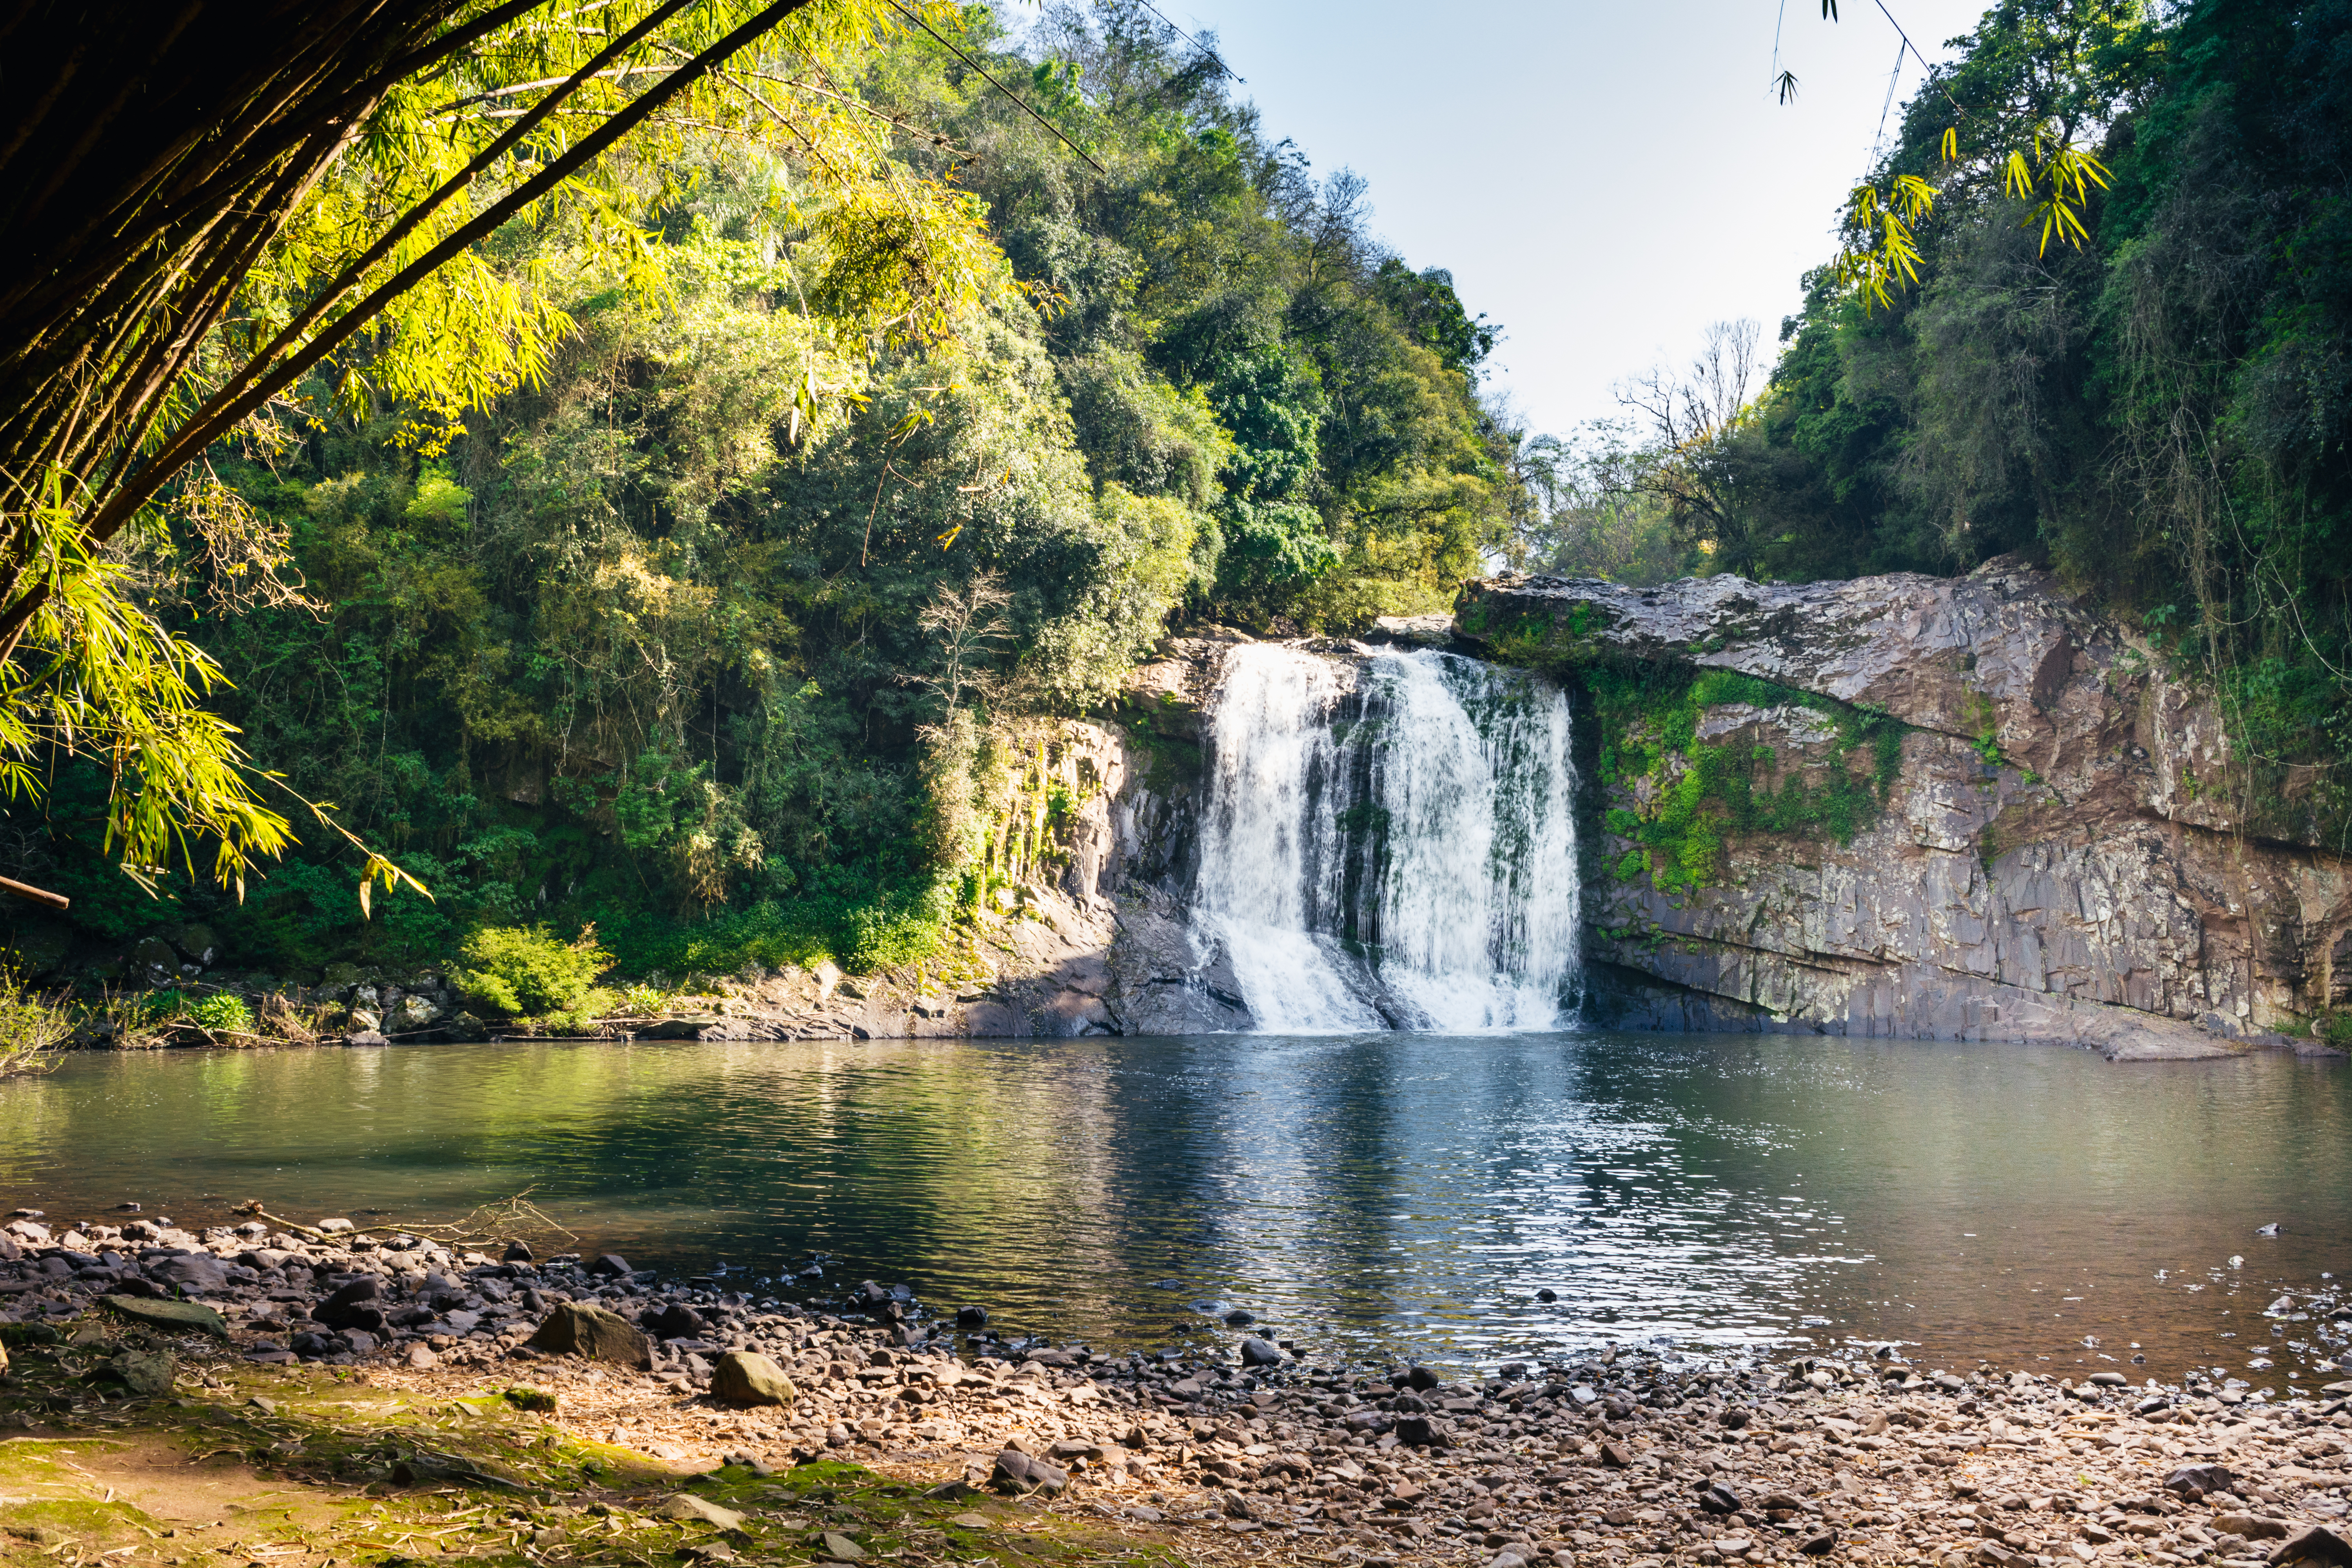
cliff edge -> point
(1920, 807)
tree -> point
(196, 217)
(1692, 418)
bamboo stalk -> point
(35, 895)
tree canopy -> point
(2160, 414)
(200, 215)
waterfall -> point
(1391, 845)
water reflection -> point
(1391, 1192)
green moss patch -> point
(239, 1459)
(1708, 792)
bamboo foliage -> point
(204, 217)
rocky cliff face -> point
(1105, 949)
(2052, 853)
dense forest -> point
(730, 630)
(2160, 414)
(727, 635)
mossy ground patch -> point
(295, 1467)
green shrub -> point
(222, 1014)
(860, 928)
(535, 976)
(32, 1027)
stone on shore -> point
(747, 1378)
(143, 1375)
(577, 1329)
(2317, 1544)
(691, 1510)
(174, 1317)
(1025, 1472)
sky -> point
(1603, 179)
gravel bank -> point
(1620, 1458)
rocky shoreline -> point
(1625, 1456)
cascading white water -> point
(1397, 852)
(1271, 843)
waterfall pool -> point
(1388, 1192)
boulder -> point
(2318, 1543)
(409, 1014)
(675, 1321)
(575, 1328)
(143, 1375)
(193, 1271)
(1025, 1472)
(747, 1378)
(2252, 1526)
(1420, 1432)
(352, 1305)
(195, 942)
(154, 961)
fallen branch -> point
(508, 1219)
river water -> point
(1375, 1194)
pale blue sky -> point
(1603, 178)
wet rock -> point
(747, 1378)
(971, 1316)
(610, 1265)
(1256, 1351)
(575, 1328)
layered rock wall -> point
(2056, 858)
